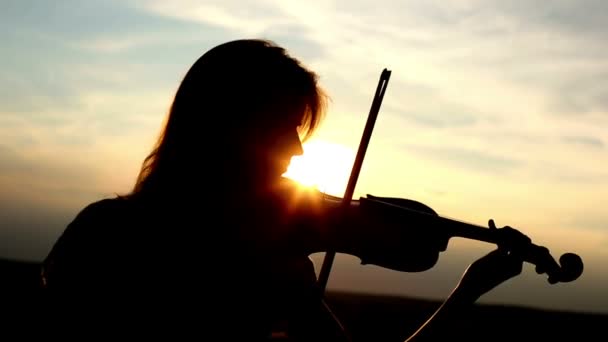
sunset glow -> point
(323, 165)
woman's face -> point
(287, 144)
(275, 148)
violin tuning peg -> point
(540, 269)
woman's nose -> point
(296, 144)
(298, 149)
(290, 144)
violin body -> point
(414, 246)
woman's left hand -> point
(492, 269)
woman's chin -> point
(278, 170)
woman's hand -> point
(494, 268)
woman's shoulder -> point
(104, 210)
(91, 228)
(97, 218)
(105, 206)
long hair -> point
(234, 92)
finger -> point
(501, 247)
(498, 253)
(514, 264)
(540, 269)
(491, 224)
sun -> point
(324, 165)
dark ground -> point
(386, 318)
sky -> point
(494, 109)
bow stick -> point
(354, 176)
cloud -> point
(262, 19)
(35, 91)
(569, 171)
(575, 17)
(233, 15)
(75, 20)
(597, 222)
(582, 93)
(552, 48)
(493, 51)
(470, 159)
(436, 115)
(297, 40)
(29, 168)
(585, 141)
(424, 105)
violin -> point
(570, 265)
(569, 268)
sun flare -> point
(324, 165)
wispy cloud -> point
(250, 18)
(473, 160)
(586, 141)
(593, 222)
(569, 172)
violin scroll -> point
(570, 267)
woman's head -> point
(240, 110)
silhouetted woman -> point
(212, 239)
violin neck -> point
(425, 215)
(455, 228)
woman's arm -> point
(480, 277)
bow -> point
(354, 176)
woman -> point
(212, 229)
